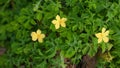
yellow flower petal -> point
(40, 40)
(64, 19)
(103, 30)
(63, 22)
(42, 35)
(99, 40)
(54, 21)
(57, 25)
(98, 35)
(106, 39)
(34, 36)
(107, 33)
(38, 31)
(58, 17)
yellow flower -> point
(103, 36)
(37, 35)
(107, 56)
(59, 22)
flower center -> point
(38, 35)
(60, 21)
(102, 35)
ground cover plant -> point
(59, 33)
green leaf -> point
(62, 61)
(70, 52)
(22, 19)
(3, 60)
(91, 52)
(85, 50)
(62, 53)
(109, 46)
(39, 52)
(52, 27)
(36, 6)
(27, 24)
(33, 22)
(14, 47)
(74, 27)
(83, 35)
(103, 46)
(95, 44)
(19, 50)
(26, 50)
(50, 53)
(42, 65)
(39, 16)
(69, 36)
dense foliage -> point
(85, 18)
